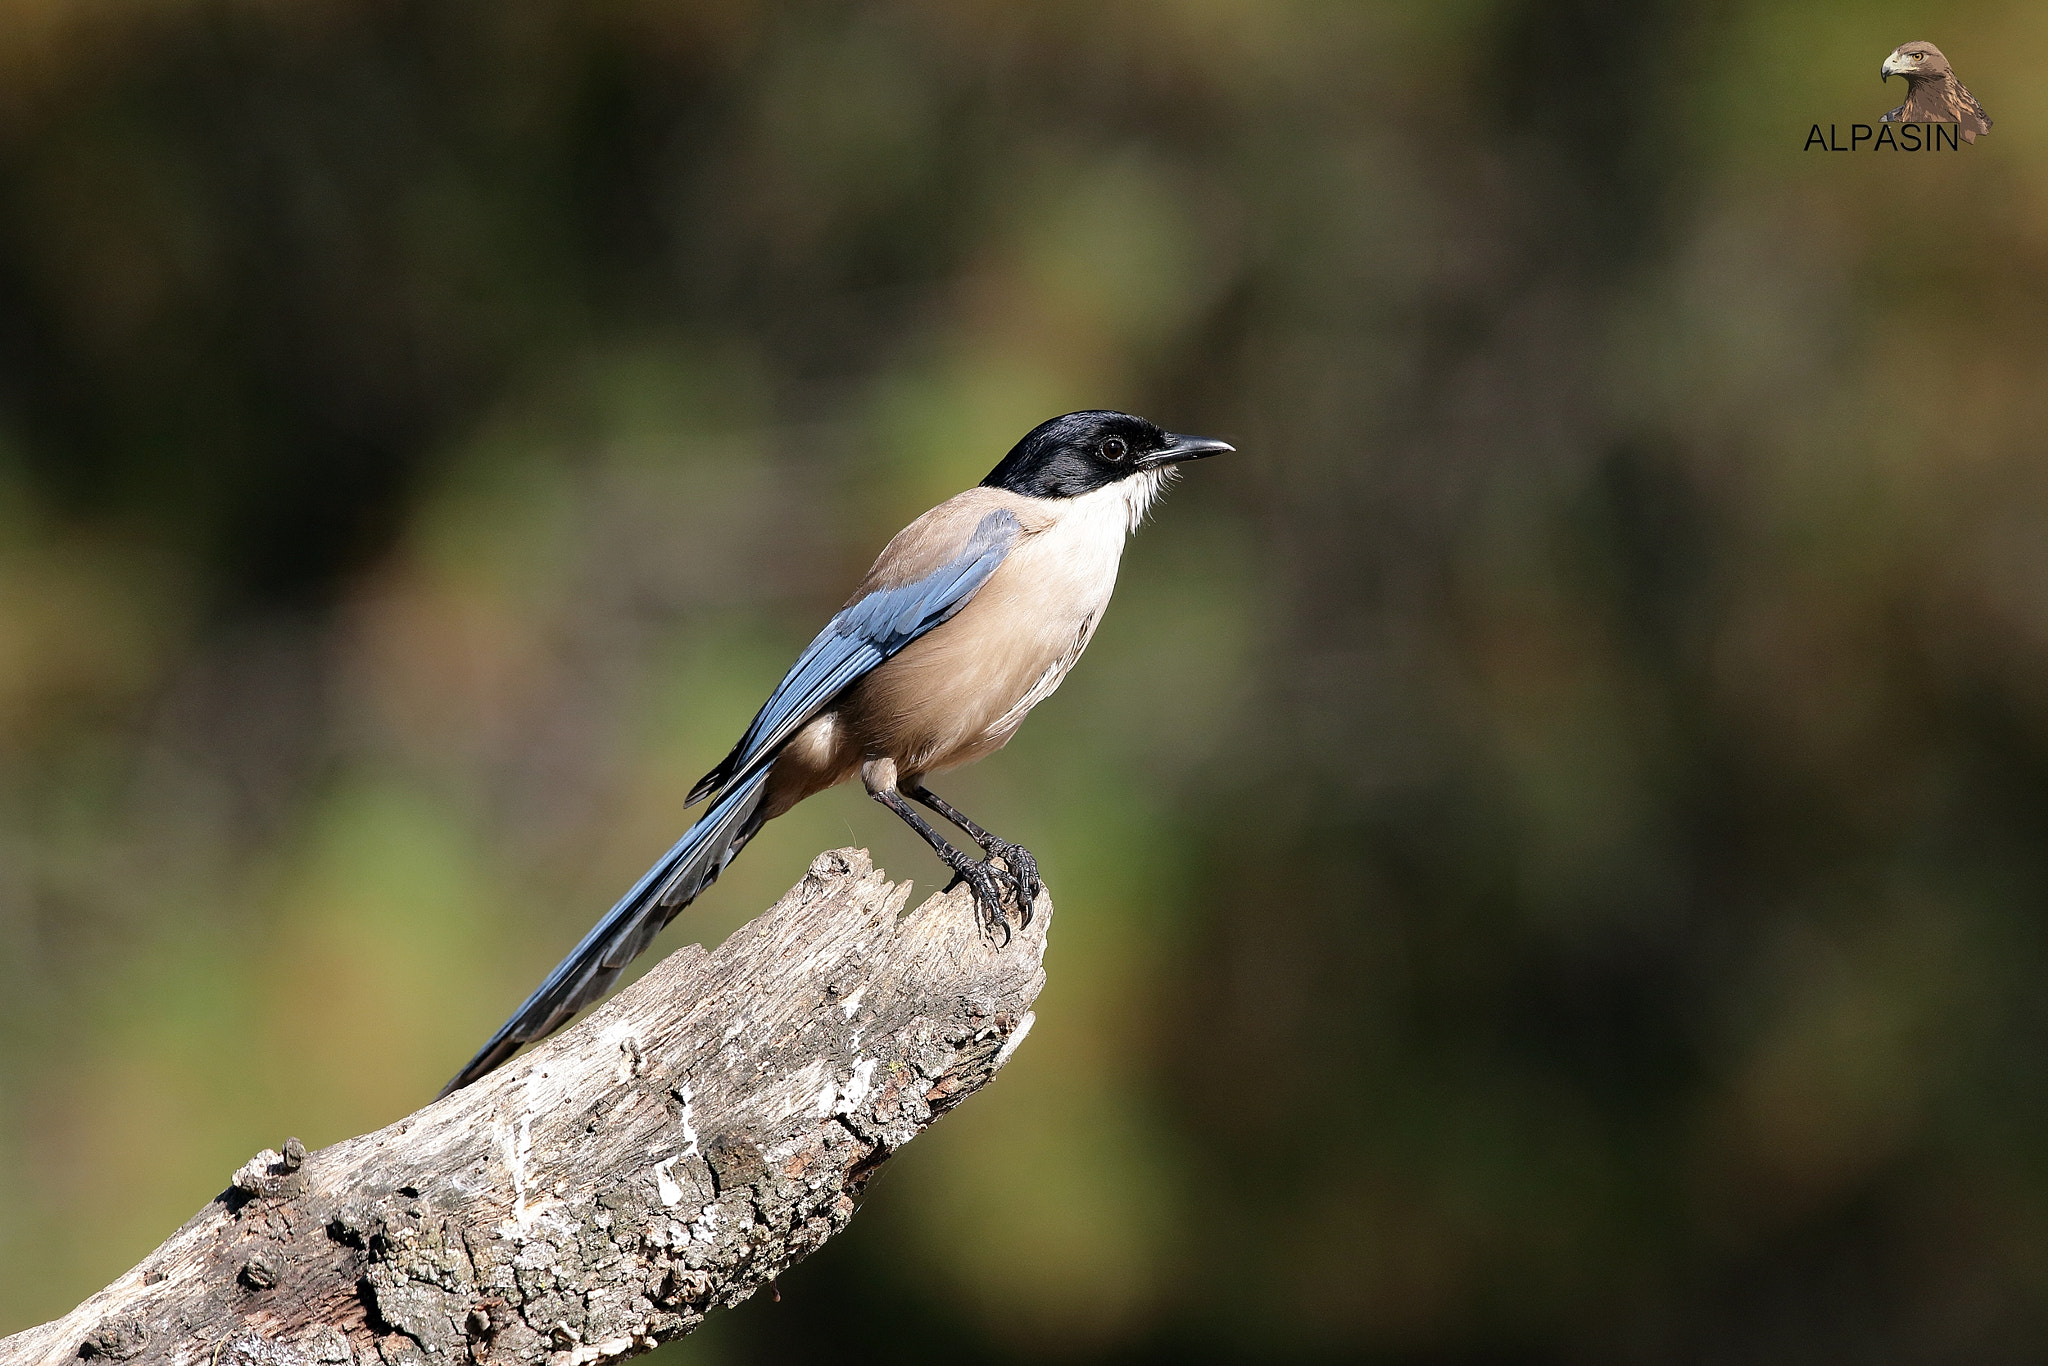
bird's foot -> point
(986, 882)
(1023, 873)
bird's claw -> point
(1022, 870)
(982, 878)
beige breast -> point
(962, 691)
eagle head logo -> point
(1933, 94)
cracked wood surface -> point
(696, 1135)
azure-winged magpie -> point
(969, 618)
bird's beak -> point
(1181, 449)
(1888, 70)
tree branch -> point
(698, 1134)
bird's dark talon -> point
(983, 879)
(1023, 873)
(995, 926)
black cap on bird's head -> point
(1081, 452)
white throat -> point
(1092, 528)
(1140, 491)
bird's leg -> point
(880, 777)
(1023, 868)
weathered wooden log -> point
(694, 1137)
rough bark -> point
(695, 1136)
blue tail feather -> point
(594, 964)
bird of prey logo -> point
(1933, 94)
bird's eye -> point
(1114, 448)
(1919, 56)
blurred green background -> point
(1551, 843)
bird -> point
(1933, 94)
(970, 617)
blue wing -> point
(860, 637)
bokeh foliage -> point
(1551, 843)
